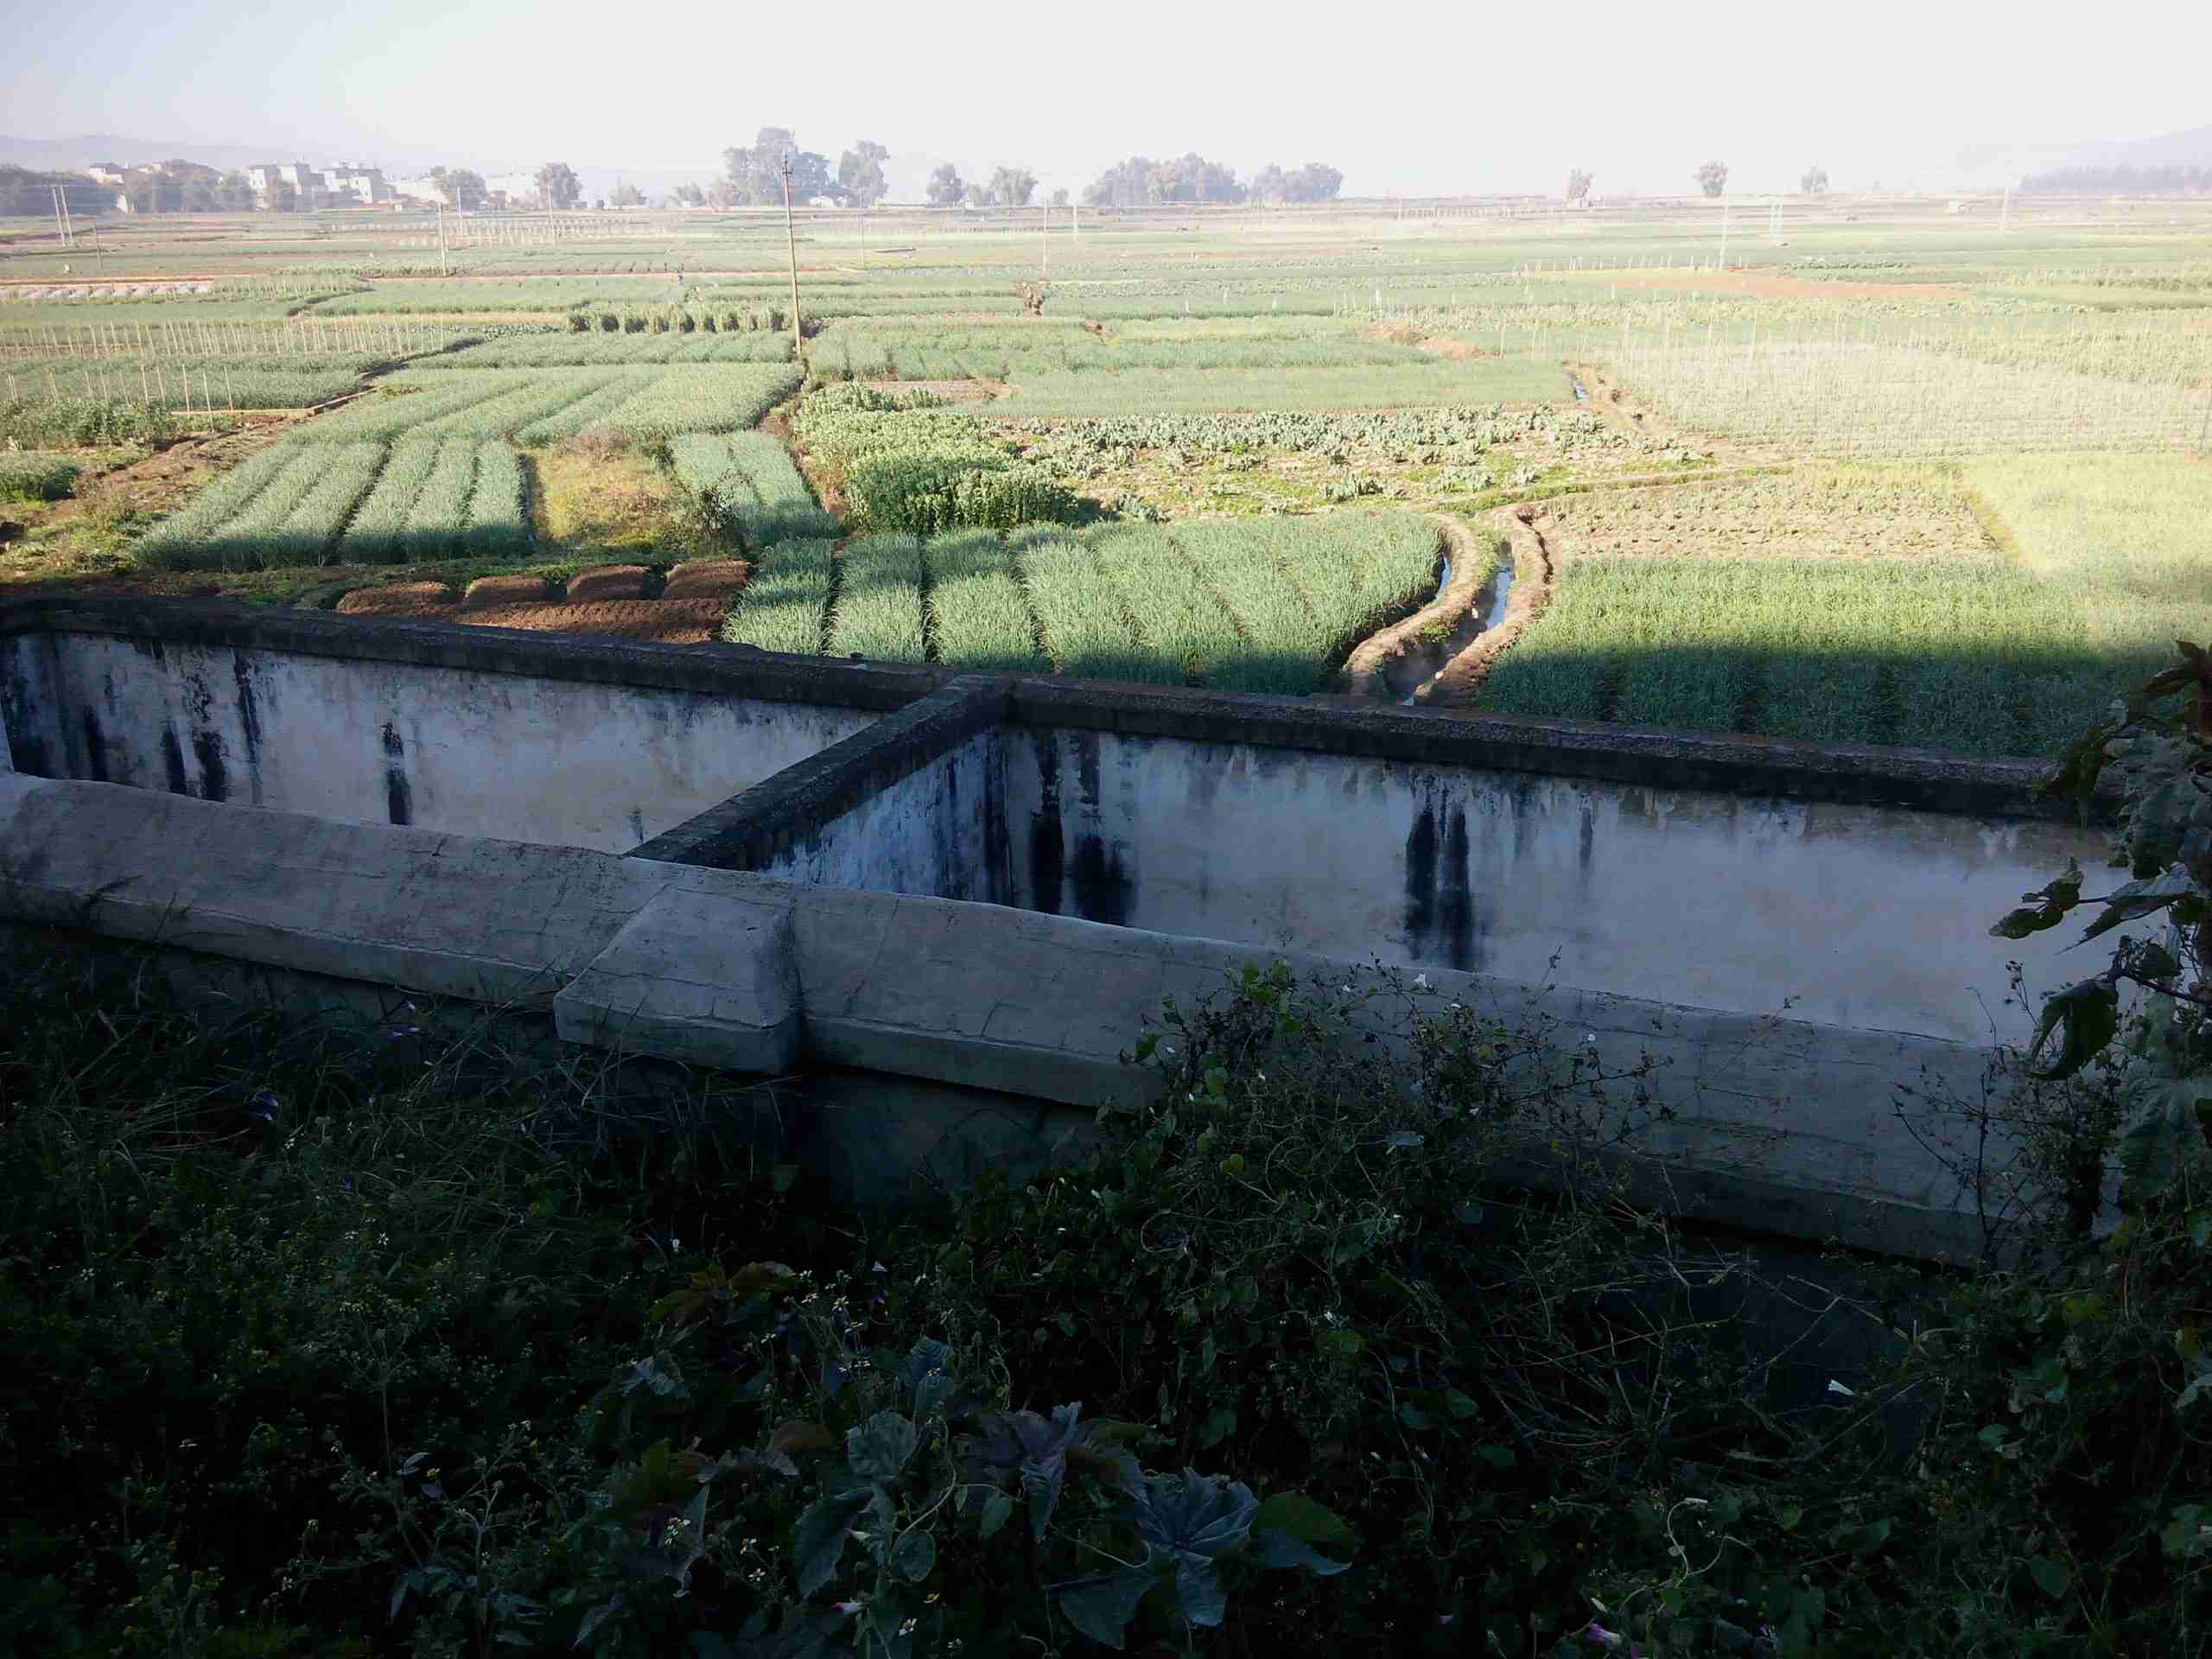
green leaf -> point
(2044, 908)
(2141, 899)
(1272, 1547)
(1102, 1607)
(1305, 1520)
(2088, 1011)
(913, 1555)
(2161, 1132)
(819, 1540)
(2186, 1532)
(1498, 1457)
(1220, 1424)
(996, 1509)
(2054, 1579)
(878, 1449)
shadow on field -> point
(2024, 702)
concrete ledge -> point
(702, 977)
(500, 922)
(773, 818)
(1785, 768)
(719, 669)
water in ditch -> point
(1421, 665)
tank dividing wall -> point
(912, 805)
(586, 743)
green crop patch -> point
(785, 604)
(983, 622)
(750, 477)
(1868, 605)
(879, 610)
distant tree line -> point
(752, 176)
(2122, 181)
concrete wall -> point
(1778, 1125)
(937, 832)
(517, 749)
(1861, 916)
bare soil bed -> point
(1777, 285)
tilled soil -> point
(601, 602)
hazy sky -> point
(1458, 97)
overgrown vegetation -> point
(36, 478)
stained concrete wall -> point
(1869, 917)
(937, 832)
(527, 755)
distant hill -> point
(1992, 164)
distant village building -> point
(358, 183)
(298, 174)
(105, 173)
(520, 188)
(422, 190)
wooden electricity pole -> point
(790, 240)
(1045, 244)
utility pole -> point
(1724, 236)
(790, 240)
(2004, 213)
(1045, 244)
(60, 224)
(444, 269)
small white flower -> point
(1348, 990)
(1590, 1038)
(1420, 981)
(1835, 1387)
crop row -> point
(785, 602)
(1023, 348)
(752, 477)
(284, 506)
(1951, 654)
(1264, 607)
(179, 382)
(878, 615)
(588, 351)
(542, 405)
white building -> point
(422, 190)
(521, 188)
(298, 174)
(358, 182)
(105, 173)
